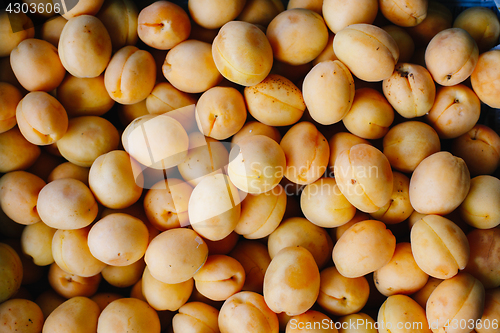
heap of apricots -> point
(245, 166)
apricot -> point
(400, 313)
(447, 243)
(260, 12)
(490, 313)
(220, 112)
(41, 118)
(84, 96)
(136, 291)
(364, 176)
(214, 14)
(261, 213)
(423, 294)
(438, 18)
(206, 156)
(196, 317)
(113, 181)
(125, 236)
(71, 285)
(478, 208)
(357, 245)
(31, 273)
(340, 295)
(284, 288)
(401, 275)
(328, 92)
(51, 30)
(36, 64)
(324, 205)
(256, 164)
(220, 277)
(14, 28)
(409, 143)
(78, 314)
(298, 231)
(224, 245)
(120, 19)
(479, 148)
(145, 137)
(256, 128)
(165, 98)
(21, 315)
(410, 90)
(44, 164)
(404, 13)
(406, 45)
(484, 78)
(36, 242)
(214, 207)
(163, 296)
(8, 76)
(483, 260)
(314, 5)
(166, 203)
(190, 67)
(337, 232)
(368, 51)
(339, 142)
(17, 153)
(458, 299)
(103, 299)
(72, 253)
(19, 191)
(275, 101)
(455, 111)
(130, 76)
(451, 56)
(69, 170)
(307, 161)
(339, 15)
(370, 115)
(175, 255)
(48, 301)
(86, 139)
(255, 259)
(163, 24)
(327, 53)
(297, 36)
(127, 113)
(130, 314)
(482, 24)
(66, 203)
(124, 276)
(439, 184)
(242, 53)
(11, 272)
(84, 46)
(399, 207)
(247, 311)
(9, 98)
